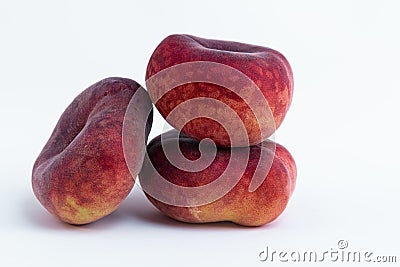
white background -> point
(342, 128)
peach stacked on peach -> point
(230, 95)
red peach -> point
(172, 183)
(241, 92)
(81, 174)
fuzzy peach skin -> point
(262, 108)
(81, 174)
(239, 205)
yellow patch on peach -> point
(74, 213)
